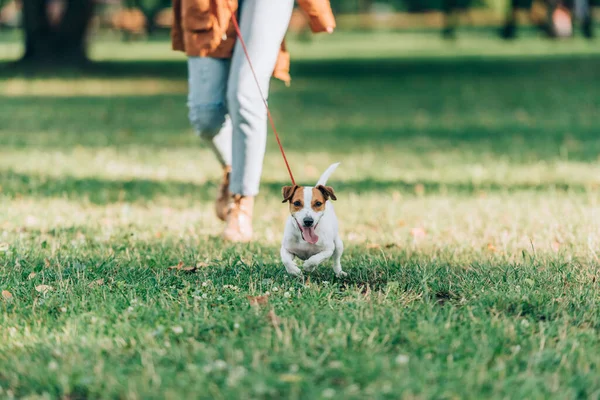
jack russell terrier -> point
(311, 231)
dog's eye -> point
(318, 204)
(297, 204)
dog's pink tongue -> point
(309, 234)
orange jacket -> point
(203, 28)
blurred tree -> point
(63, 42)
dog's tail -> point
(323, 179)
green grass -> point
(469, 203)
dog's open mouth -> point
(308, 233)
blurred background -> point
(438, 92)
(57, 30)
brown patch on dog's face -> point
(327, 192)
(288, 192)
(318, 200)
(297, 200)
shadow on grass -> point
(351, 67)
(106, 191)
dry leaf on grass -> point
(256, 301)
(178, 266)
(418, 232)
(31, 276)
(373, 246)
(273, 318)
(47, 263)
(366, 291)
(491, 247)
(190, 268)
(6, 295)
(43, 288)
(555, 246)
(97, 282)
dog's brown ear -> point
(327, 191)
(288, 192)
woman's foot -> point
(239, 220)
(223, 196)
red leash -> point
(239, 34)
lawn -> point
(468, 198)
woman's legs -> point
(207, 82)
(263, 24)
(208, 115)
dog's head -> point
(307, 205)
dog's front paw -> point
(341, 274)
(293, 270)
(309, 266)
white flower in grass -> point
(402, 359)
(275, 289)
(235, 375)
(524, 323)
(177, 330)
(328, 393)
(287, 295)
(236, 325)
(267, 293)
(220, 365)
(204, 296)
(130, 309)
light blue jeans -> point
(224, 103)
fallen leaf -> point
(43, 288)
(97, 282)
(47, 263)
(31, 276)
(373, 246)
(418, 232)
(491, 247)
(555, 246)
(258, 300)
(6, 295)
(202, 265)
(189, 269)
(273, 318)
(158, 235)
(366, 291)
(178, 266)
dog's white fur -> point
(326, 227)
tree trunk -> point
(64, 44)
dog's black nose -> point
(308, 221)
